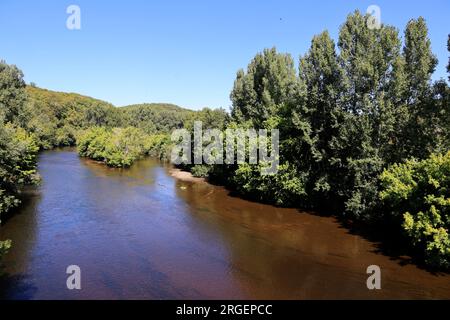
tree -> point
(420, 60)
(12, 93)
(372, 79)
(448, 48)
(420, 63)
(265, 89)
(17, 148)
(315, 116)
(417, 195)
(18, 152)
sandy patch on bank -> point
(184, 175)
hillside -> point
(57, 117)
(155, 117)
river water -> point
(142, 234)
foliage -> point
(159, 146)
(201, 170)
(349, 120)
(18, 149)
(261, 92)
(121, 147)
(12, 93)
(348, 115)
(118, 147)
(56, 118)
(4, 247)
(154, 118)
(418, 192)
(286, 187)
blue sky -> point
(183, 52)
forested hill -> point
(56, 118)
(155, 117)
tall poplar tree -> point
(265, 89)
(372, 77)
(420, 63)
(316, 118)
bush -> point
(4, 247)
(417, 193)
(117, 147)
(18, 151)
(286, 188)
(159, 146)
(201, 171)
(121, 147)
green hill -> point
(57, 117)
(155, 117)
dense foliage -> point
(18, 148)
(118, 147)
(418, 194)
(17, 164)
(4, 247)
(56, 117)
(364, 131)
(350, 112)
(155, 118)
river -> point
(140, 233)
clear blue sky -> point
(183, 52)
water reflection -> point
(141, 234)
(15, 282)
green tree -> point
(416, 194)
(266, 88)
(17, 148)
(4, 247)
(18, 152)
(448, 48)
(315, 117)
(420, 63)
(370, 59)
(12, 93)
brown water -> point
(141, 234)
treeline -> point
(364, 132)
(121, 146)
(350, 113)
(18, 149)
(155, 118)
(57, 118)
(33, 119)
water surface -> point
(142, 234)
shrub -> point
(4, 247)
(201, 171)
(417, 193)
(158, 145)
(18, 151)
(120, 147)
(286, 188)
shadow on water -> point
(386, 239)
(19, 225)
(16, 287)
(28, 197)
(142, 234)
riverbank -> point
(142, 233)
(185, 176)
